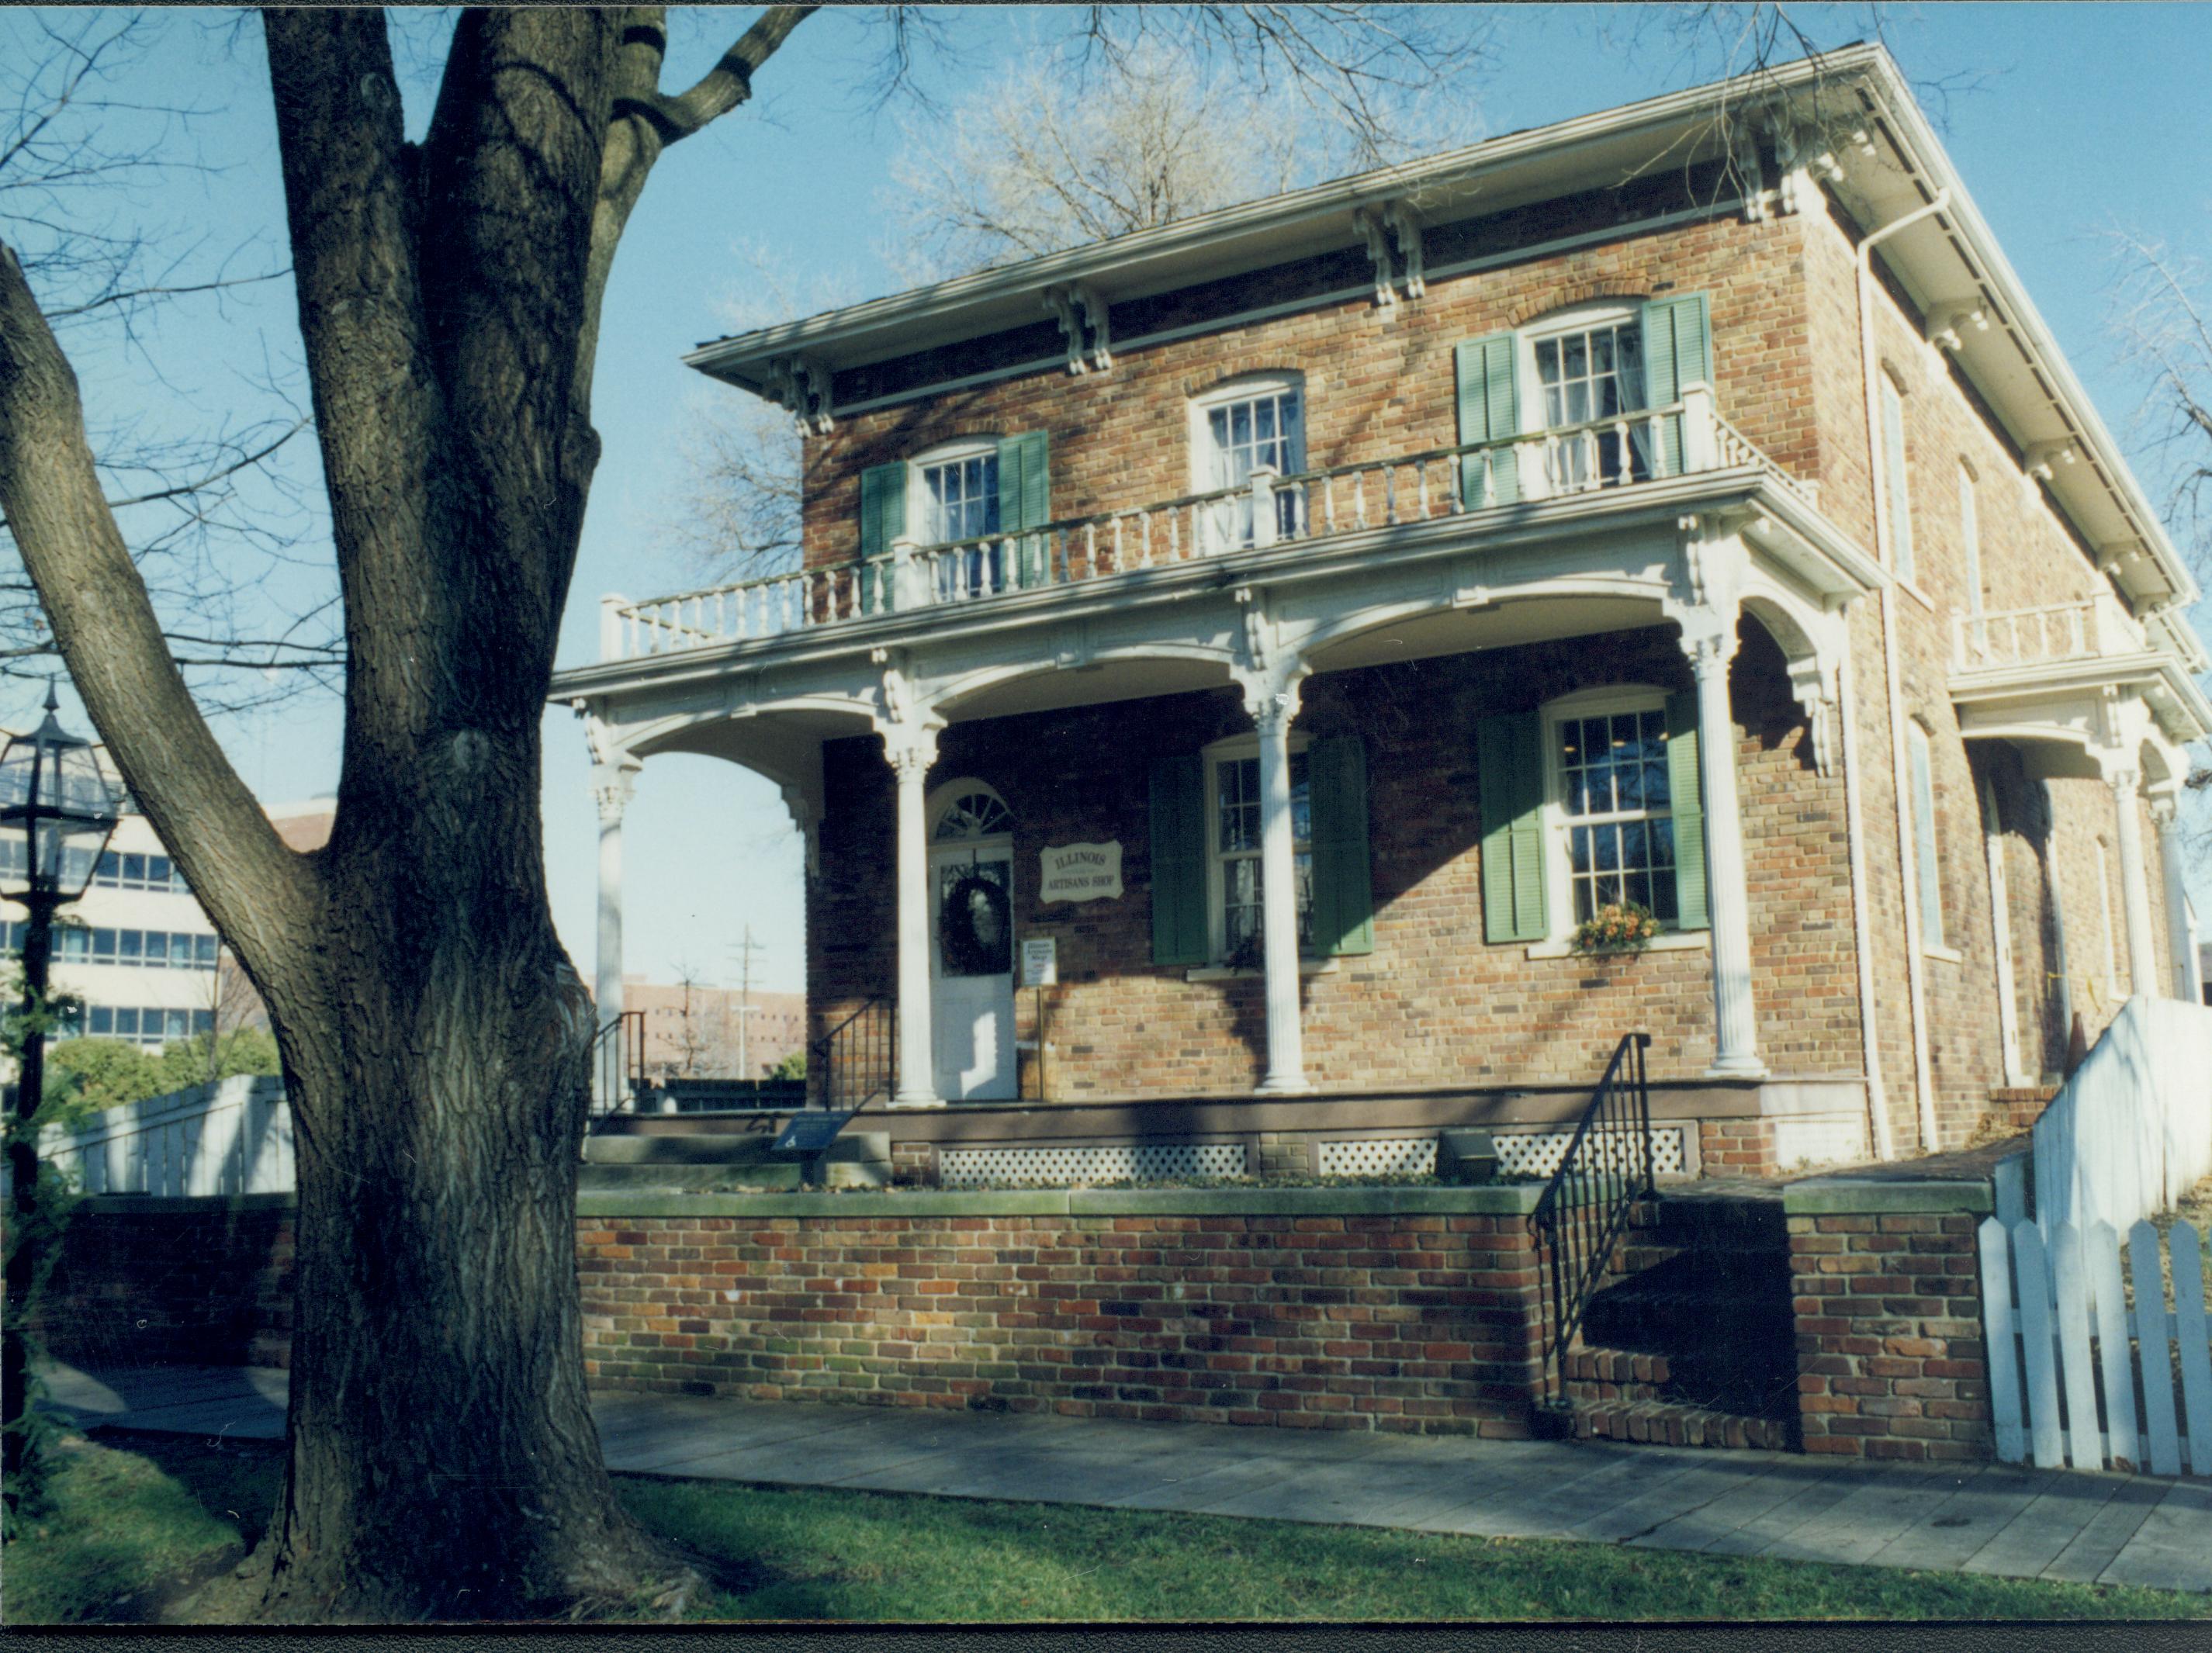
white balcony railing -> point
(1623, 452)
(2087, 629)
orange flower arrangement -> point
(1619, 926)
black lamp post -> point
(58, 812)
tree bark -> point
(442, 1458)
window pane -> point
(157, 948)
(157, 869)
(132, 945)
(204, 951)
(202, 1021)
(126, 1023)
(134, 870)
(102, 1019)
(175, 1024)
(103, 946)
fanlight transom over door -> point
(971, 881)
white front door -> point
(972, 971)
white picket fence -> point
(2072, 1383)
(2131, 1132)
(234, 1137)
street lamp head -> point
(58, 809)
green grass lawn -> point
(130, 1531)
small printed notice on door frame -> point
(1081, 872)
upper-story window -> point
(958, 489)
(955, 496)
(1586, 367)
(1238, 429)
(1970, 537)
(1900, 500)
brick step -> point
(1660, 1423)
(1752, 1382)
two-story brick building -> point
(1308, 614)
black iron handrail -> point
(853, 1059)
(1605, 1169)
(618, 1063)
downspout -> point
(1877, 460)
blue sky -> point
(2088, 116)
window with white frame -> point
(955, 496)
(1233, 838)
(1613, 797)
(1582, 367)
(1923, 830)
(1970, 537)
(1237, 428)
(2104, 921)
(1900, 500)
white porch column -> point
(1736, 1030)
(2164, 814)
(611, 786)
(2135, 881)
(911, 750)
(1272, 710)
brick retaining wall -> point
(1397, 1309)
(1888, 1308)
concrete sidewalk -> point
(1989, 1518)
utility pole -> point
(745, 950)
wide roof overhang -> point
(1854, 102)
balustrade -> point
(1270, 510)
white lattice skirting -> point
(1055, 1167)
(1526, 1153)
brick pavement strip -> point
(2146, 1530)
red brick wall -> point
(1432, 1006)
(1407, 1321)
(208, 1285)
(1415, 1323)
(1378, 381)
(1889, 1334)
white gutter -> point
(1908, 868)
(1925, 155)
(1455, 169)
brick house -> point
(1307, 614)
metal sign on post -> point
(1041, 962)
(1040, 970)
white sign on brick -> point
(1081, 872)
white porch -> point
(1388, 561)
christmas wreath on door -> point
(975, 928)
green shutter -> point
(1180, 931)
(1488, 413)
(1678, 351)
(1343, 897)
(882, 520)
(1686, 786)
(1025, 502)
(1508, 755)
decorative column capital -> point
(910, 749)
(2164, 808)
(613, 786)
(1709, 652)
(2123, 779)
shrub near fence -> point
(2071, 1382)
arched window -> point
(968, 811)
